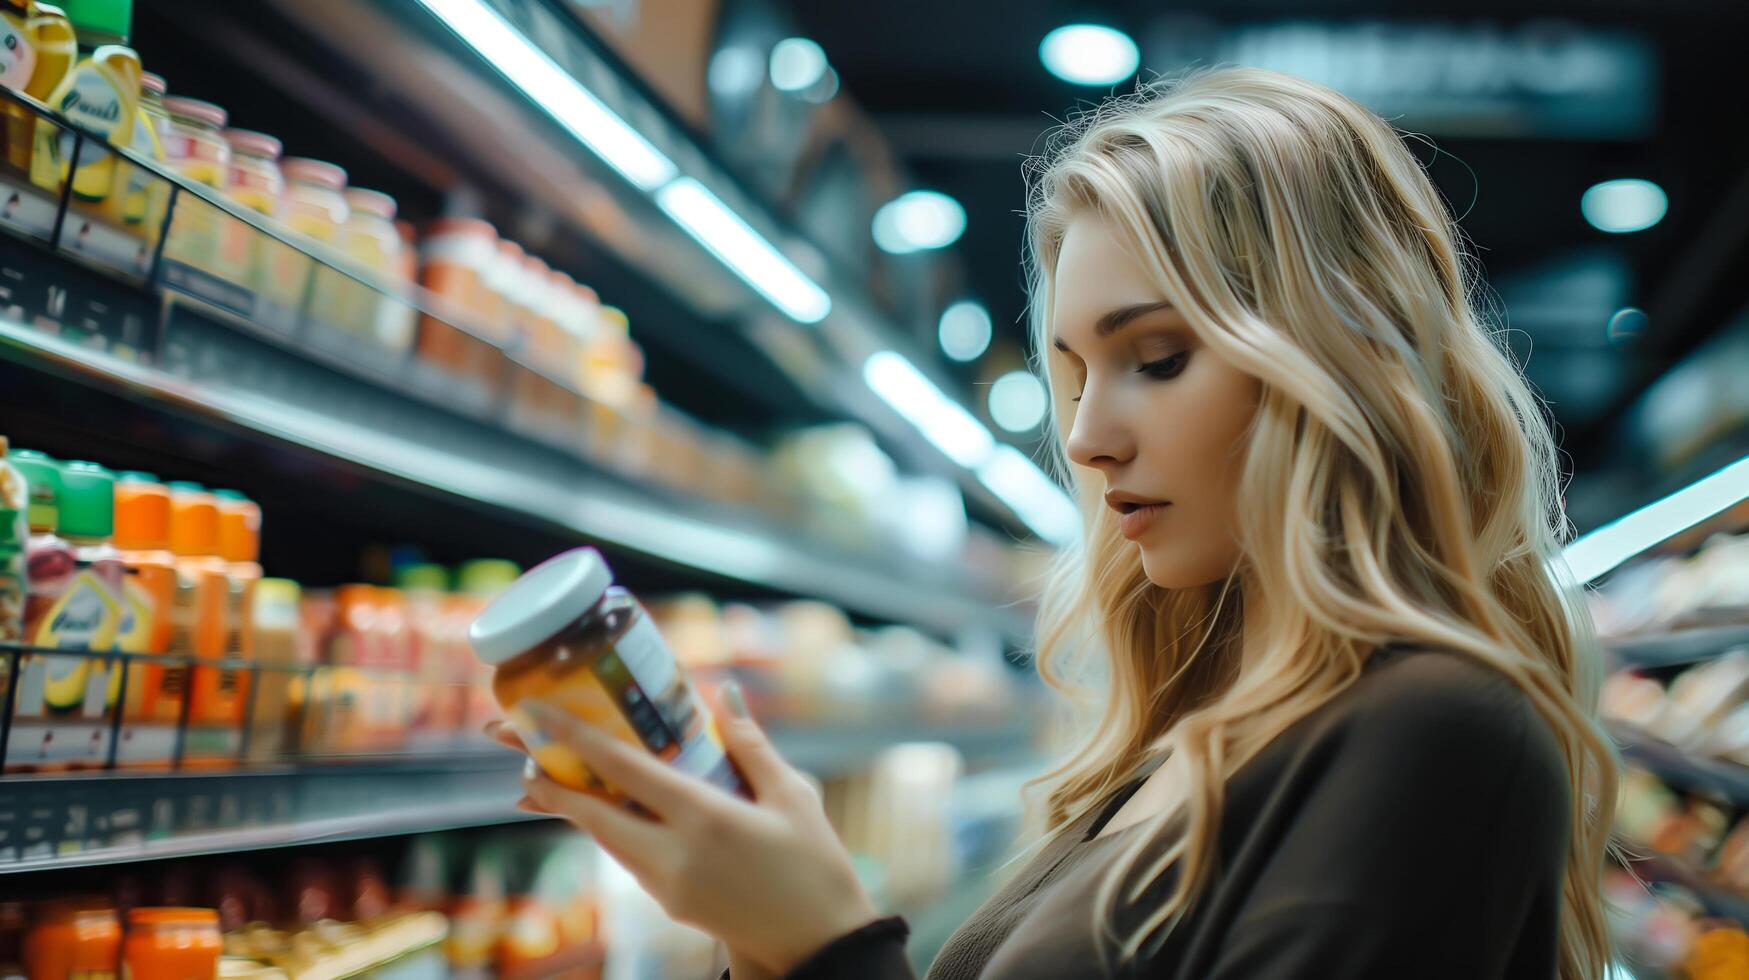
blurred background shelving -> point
(746, 314)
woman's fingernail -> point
(530, 769)
(732, 699)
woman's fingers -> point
(748, 746)
(634, 772)
(506, 736)
(634, 842)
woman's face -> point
(1160, 416)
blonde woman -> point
(1346, 722)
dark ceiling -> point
(959, 90)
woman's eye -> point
(1165, 367)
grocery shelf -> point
(69, 820)
(168, 336)
(222, 375)
(1678, 647)
(1682, 768)
(81, 818)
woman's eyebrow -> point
(1116, 319)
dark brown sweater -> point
(1416, 826)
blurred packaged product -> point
(155, 688)
(195, 147)
(371, 239)
(1667, 594)
(279, 702)
(153, 88)
(12, 931)
(439, 701)
(142, 536)
(456, 257)
(40, 49)
(369, 704)
(564, 633)
(100, 93)
(504, 282)
(172, 944)
(315, 207)
(77, 597)
(477, 914)
(14, 541)
(276, 271)
(73, 938)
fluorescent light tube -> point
(1031, 494)
(942, 420)
(723, 232)
(555, 91)
(1597, 553)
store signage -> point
(1541, 78)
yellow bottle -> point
(144, 197)
(37, 50)
(102, 94)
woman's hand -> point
(768, 877)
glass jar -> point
(77, 938)
(371, 239)
(564, 633)
(315, 207)
(195, 147)
(172, 944)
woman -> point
(1347, 725)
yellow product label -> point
(101, 94)
(145, 197)
(85, 617)
(134, 634)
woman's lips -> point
(1135, 522)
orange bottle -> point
(73, 938)
(142, 536)
(199, 621)
(172, 944)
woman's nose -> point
(1097, 438)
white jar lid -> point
(546, 599)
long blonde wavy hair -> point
(1400, 480)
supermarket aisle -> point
(321, 323)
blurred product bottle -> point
(477, 914)
(199, 620)
(14, 540)
(195, 147)
(279, 702)
(371, 240)
(315, 207)
(277, 271)
(172, 944)
(73, 939)
(37, 49)
(155, 688)
(456, 258)
(423, 885)
(102, 94)
(477, 582)
(438, 698)
(89, 613)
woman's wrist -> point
(822, 933)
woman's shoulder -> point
(1450, 709)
